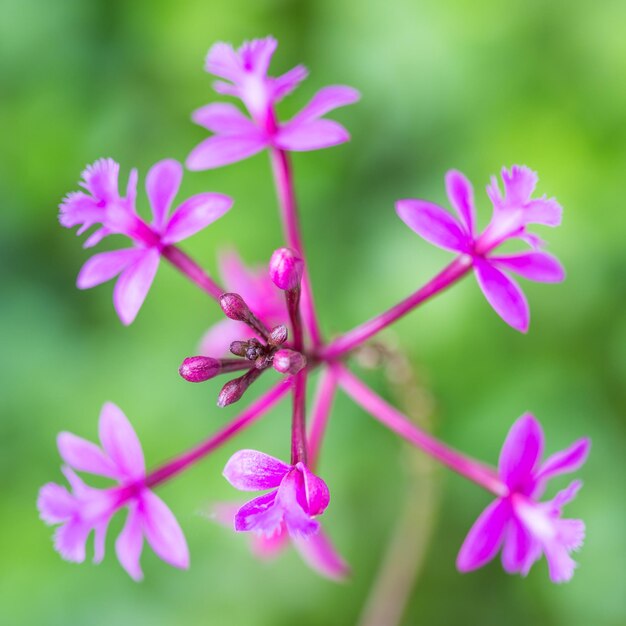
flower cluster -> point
(271, 326)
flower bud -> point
(238, 348)
(288, 361)
(278, 336)
(286, 269)
(197, 369)
(234, 389)
(234, 307)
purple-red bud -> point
(286, 269)
(278, 336)
(238, 348)
(288, 361)
(197, 369)
(234, 389)
(234, 307)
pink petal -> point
(120, 441)
(162, 184)
(313, 135)
(503, 294)
(224, 119)
(565, 496)
(519, 184)
(55, 503)
(325, 100)
(101, 179)
(195, 214)
(133, 285)
(518, 545)
(85, 456)
(131, 189)
(320, 555)
(521, 452)
(99, 540)
(291, 498)
(485, 537)
(287, 82)
(223, 61)
(216, 341)
(545, 211)
(70, 540)
(565, 461)
(316, 492)
(129, 543)
(538, 266)
(560, 564)
(260, 515)
(224, 149)
(256, 54)
(249, 470)
(432, 223)
(268, 548)
(461, 196)
(104, 266)
(163, 532)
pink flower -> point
(238, 137)
(511, 215)
(524, 527)
(317, 551)
(297, 495)
(85, 509)
(260, 294)
(103, 206)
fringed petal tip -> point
(101, 178)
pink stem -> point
(483, 475)
(350, 340)
(192, 270)
(298, 424)
(288, 208)
(320, 414)
(250, 415)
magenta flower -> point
(259, 292)
(85, 509)
(238, 137)
(511, 215)
(317, 551)
(525, 527)
(103, 206)
(297, 495)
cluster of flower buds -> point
(265, 350)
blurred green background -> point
(471, 85)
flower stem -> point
(283, 179)
(378, 408)
(354, 338)
(186, 459)
(192, 270)
(298, 423)
(321, 411)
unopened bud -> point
(234, 389)
(238, 348)
(278, 336)
(288, 361)
(286, 269)
(197, 369)
(234, 307)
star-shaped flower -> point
(512, 213)
(103, 206)
(84, 509)
(524, 527)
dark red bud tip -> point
(197, 369)
(238, 348)
(278, 336)
(288, 361)
(234, 307)
(286, 269)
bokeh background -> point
(471, 85)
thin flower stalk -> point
(393, 419)
(325, 394)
